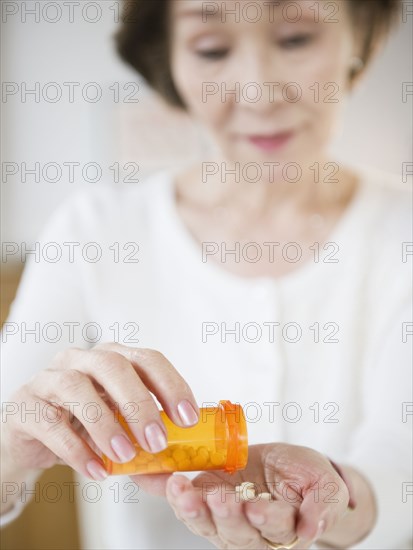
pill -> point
(145, 455)
(217, 458)
(199, 462)
(184, 464)
(153, 467)
(168, 464)
(248, 487)
(184, 458)
(178, 454)
(246, 491)
(191, 452)
(203, 451)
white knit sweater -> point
(339, 387)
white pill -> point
(248, 494)
(247, 485)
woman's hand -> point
(74, 402)
(308, 498)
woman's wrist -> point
(15, 483)
(12, 477)
(361, 514)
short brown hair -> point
(143, 39)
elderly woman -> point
(268, 274)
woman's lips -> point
(270, 142)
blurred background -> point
(74, 116)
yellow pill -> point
(184, 464)
(168, 464)
(153, 467)
(120, 468)
(191, 452)
(159, 455)
(217, 459)
(146, 455)
(203, 451)
(179, 454)
(199, 462)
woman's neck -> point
(232, 211)
(221, 185)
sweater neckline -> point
(192, 252)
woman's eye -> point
(212, 55)
(297, 41)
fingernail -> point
(187, 413)
(155, 437)
(96, 470)
(321, 527)
(256, 519)
(123, 447)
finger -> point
(63, 441)
(154, 484)
(275, 520)
(322, 506)
(187, 503)
(74, 391)
(163, 380)
(122, 383)
(232, 526)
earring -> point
(356, 64)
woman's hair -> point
(143, 39)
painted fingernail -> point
(256, 519)
(123, 448)
(155, 437)
(187, 413)
(321, 528)
(96, 470)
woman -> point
(282, 289)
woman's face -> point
(267, 79)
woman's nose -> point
(259, 85)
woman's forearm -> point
(357, 523)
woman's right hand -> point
(75, 399)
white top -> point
(343, 398)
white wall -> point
(377, 128)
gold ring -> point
(277, 545)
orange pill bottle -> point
(218, 441)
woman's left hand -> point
(308, 498)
